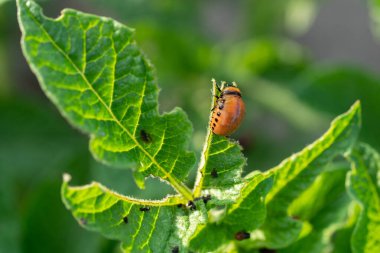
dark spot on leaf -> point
(191, 205)
(175, 249)
(242, 235)
(125, 219)
(214, 173)
(295, 217)
(206, 198)
(179, 205)
(144, 209)
(145, 136)
(83, 221)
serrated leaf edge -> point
(179, 186)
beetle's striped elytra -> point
(228, 111)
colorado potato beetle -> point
(228, 111)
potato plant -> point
(94, 72)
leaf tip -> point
(354, 114)
(356, 105)
(66, 177)
(357, 109)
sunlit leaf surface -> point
(297, 173)
(91, 68)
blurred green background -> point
(298, 63)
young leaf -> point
(91, 68)
(219, 176)
(297, 173)
(221, 165)
(220, 169)
(140, 225)
(363, 185)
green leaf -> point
(91, 68)
(363, 185)
(326, 189)
(246, 214)
(297, 173)
(220, 167)
(140, 225)
(325, 206)
(219, 176)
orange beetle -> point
(228, 112)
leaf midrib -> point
(181, 188)
(205, 152)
